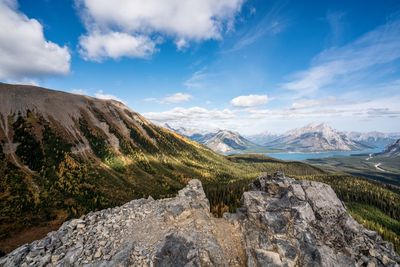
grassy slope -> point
(359, 166)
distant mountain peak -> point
(220, 140)
(315, 137)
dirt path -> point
(377, 166)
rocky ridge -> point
(282, 222)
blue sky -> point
(249, 66)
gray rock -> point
(282, 222)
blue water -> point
(318, 155)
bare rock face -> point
(302, 223)
(282, 222)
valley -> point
(382, 169)
(90, 154)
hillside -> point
(392, 151)
(63, 155)
(315, 138)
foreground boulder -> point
(282, 222)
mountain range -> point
(64, 155)
(375, 139)
(314, 138)
(310, 138)
(221, 141)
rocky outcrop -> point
(301, 223)
(282, 222)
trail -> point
(377, 166)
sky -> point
(245, 65)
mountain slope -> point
(313, 138)
(375, 139)
(63, 155)
(221, 141)
(263, 138)
(225, 141)
(392, 150)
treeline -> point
(225, 197)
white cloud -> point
(182, 21)
(79, 92)
(25, 52)
(97, 46)
(271, 24)
(249, 100)
(171, 99)
(177, 98)
(193, 114)
(383, 113)
(309, 103)
(330, 108)
(101, 95)
(197, 79)
(335, 21)
(181, 44)
(375, 48)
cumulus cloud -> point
(25, 52)
(181, 21)
(97, 46)
(375, 48)
(249, 100)
(171, 99)
(101, 95)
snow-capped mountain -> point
(375, 139)
(263, 138)
(316, 137)
(391, 151)
(222, 141)
(225, 141)
(191, 133)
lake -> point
(318, 155)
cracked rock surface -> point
(282, 222)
